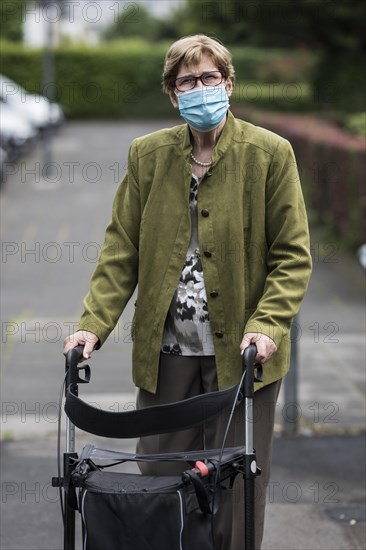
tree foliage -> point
(325, 25)
(12, 15)
(316, 24)
(136, 23)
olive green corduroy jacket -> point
(253, 236)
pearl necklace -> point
(204, 164)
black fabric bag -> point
(137, 512)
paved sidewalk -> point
(316, 496)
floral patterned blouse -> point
(187, 328)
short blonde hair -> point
(188, 51)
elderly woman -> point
(209, 222)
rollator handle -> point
(72, 369)
(254, 371)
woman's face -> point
(206, 65)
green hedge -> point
(123, 79)
(93, 82)
(356, 124)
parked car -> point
(37, 109)
(3, 161)
(361, 255)
(16, 133)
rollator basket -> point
(132, 511)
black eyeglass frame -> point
(223, 77)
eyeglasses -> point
(185, 83)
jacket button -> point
(214, 294)
(207, 253)
(219, 334)
(205, 213)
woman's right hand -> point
(84, 338)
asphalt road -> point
(53, 223)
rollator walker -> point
(132, 511)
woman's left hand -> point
(265, 346)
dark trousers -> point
(181, 377)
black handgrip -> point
(73, 357)
(249, 365)
(249, 356)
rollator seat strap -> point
(99, 456)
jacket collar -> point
(223, 143)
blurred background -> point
(104, 60)
(79, 80)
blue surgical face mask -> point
(204, 108)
